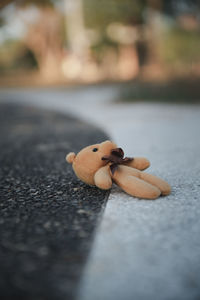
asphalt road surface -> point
(47, 216)
(142, 249)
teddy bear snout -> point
(116, 153)
(107, 146)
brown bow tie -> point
(116, 158)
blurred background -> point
(90, 59)
(153, 45)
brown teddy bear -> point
(102, 164)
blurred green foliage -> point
(40, 3)
(176, 46)
(23, 3)
(15, 56)
(180, 46)
(98, 50)
(100, 13)
(1, 21)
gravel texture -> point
(47, 216)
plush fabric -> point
(104, 163)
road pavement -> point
(47, 216)
(142, 249)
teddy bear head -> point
(87, 162)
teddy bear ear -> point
(70, 157)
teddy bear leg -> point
(137, 187)
(162, 185)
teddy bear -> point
(102, 164)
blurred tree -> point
(100, 13)
(14, 56)
(75, 27)
(180, 48)
(44, 35)
(44, 39)
(26, 2)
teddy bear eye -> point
(95, 149)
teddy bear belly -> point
(124, 171)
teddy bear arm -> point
(102, 178)
(140, 163)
